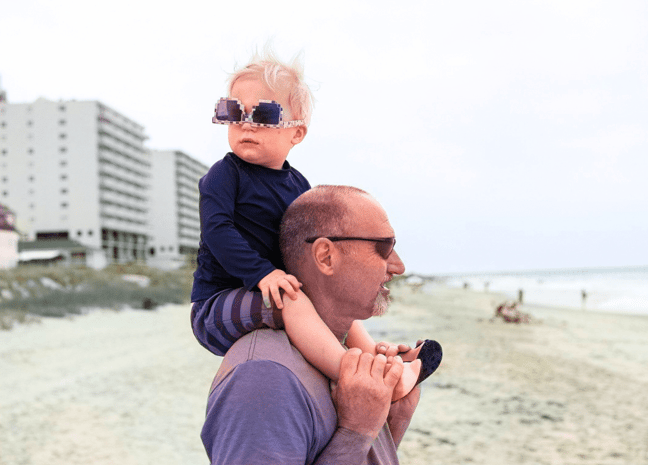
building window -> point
(63, 163)
(31, 179)
(64, 204)
(62, 135)
(63, 177)
(64, 191)
(79, 233)
(61, 107)
(30, 151)
(5, 193)
(30, 123)
(62, 122)
(62, 149)
(89, 232)
(4, 152)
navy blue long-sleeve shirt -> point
(241, 206)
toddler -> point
(242, 200)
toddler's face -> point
(267, 147)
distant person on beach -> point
(267, 403)
(510, 313)
(240, 277)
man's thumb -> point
(394, 373)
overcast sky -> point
(498, 135)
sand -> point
(130, 387)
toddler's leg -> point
(221, 320)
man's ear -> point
(299, 134)
(323, 253)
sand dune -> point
(130, 387)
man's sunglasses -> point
(384, 246)
(267, 114)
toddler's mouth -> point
(249, 141)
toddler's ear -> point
(300, 133)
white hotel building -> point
(79, 171)
(174, 216)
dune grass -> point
(70, 290)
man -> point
(267, 404)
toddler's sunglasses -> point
(267, 114)
(384, 246)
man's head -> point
(337, 241)
(267, 79)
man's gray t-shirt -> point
(269, 405)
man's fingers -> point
(382, 347)
(365, 362)
(378, 366)
(392, 351)
(349, 363)
(395, 371)
(403, 348)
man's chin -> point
(380, 305)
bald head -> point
(321, 211)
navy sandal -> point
(430, 355)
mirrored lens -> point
(266, 113)
(229, 110)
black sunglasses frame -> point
(384, 245)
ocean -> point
(618, 290)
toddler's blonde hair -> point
(278, 76)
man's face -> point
(364, 272)
(263, 146)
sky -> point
(498, 136)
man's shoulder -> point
(269, 345)
(274, 346)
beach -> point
(130, 386)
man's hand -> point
(400, 414)
(271, 283)
(389, 349)
(364, 391)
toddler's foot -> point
(428, 358)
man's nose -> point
(394, 264)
